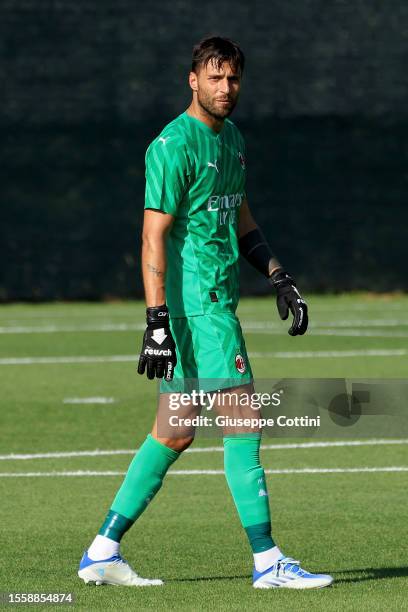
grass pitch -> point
(349, 524)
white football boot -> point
(114, 570)
(286, 573)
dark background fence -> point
(88, 84)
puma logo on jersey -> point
(164, 140)
(214, 165)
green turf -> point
(350, 525)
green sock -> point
(142, 481)
(246, 480)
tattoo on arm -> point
(154, 270)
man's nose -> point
(225, 86)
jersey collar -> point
(205, 128)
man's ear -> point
(193, 81)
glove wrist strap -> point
(157, 316)
(279, 278)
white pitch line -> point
(55, 329)
(357, 470)
(253, 326)
(205, 449)
(357, 333)
(340, 323)
(327, 331)
(372, 307)
(74, 359)
(6, 361)
(377, 304)
(301, 471)
(46, 314)
(67, 454)
(328, 354)
(270, 331)
(89, 400)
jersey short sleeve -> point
(167, 174)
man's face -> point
(217, 88)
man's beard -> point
(211, 109)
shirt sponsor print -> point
(225, 206)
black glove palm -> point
(288, 297)
(158, 354)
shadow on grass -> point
(354, 575)
(371, 573)
(208, 578)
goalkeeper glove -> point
(158, 354)
(288, 297)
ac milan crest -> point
(241, 160)
(240, 363)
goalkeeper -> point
(197, 222)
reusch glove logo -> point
(152, 351)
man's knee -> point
(177, 444)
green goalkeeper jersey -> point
(198, 176)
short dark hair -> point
(217, 50)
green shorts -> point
(211, 354)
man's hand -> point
(158, 354)
(288, 297)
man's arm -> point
(257, 252)
(255, 249)
(156, 226)
(158, 354)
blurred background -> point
(87, 85)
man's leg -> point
(143, 480)
(246, 477)
(246, 480)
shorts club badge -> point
(240, 363)
(241, 160)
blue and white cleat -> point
(287, 573)
(114, 570)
